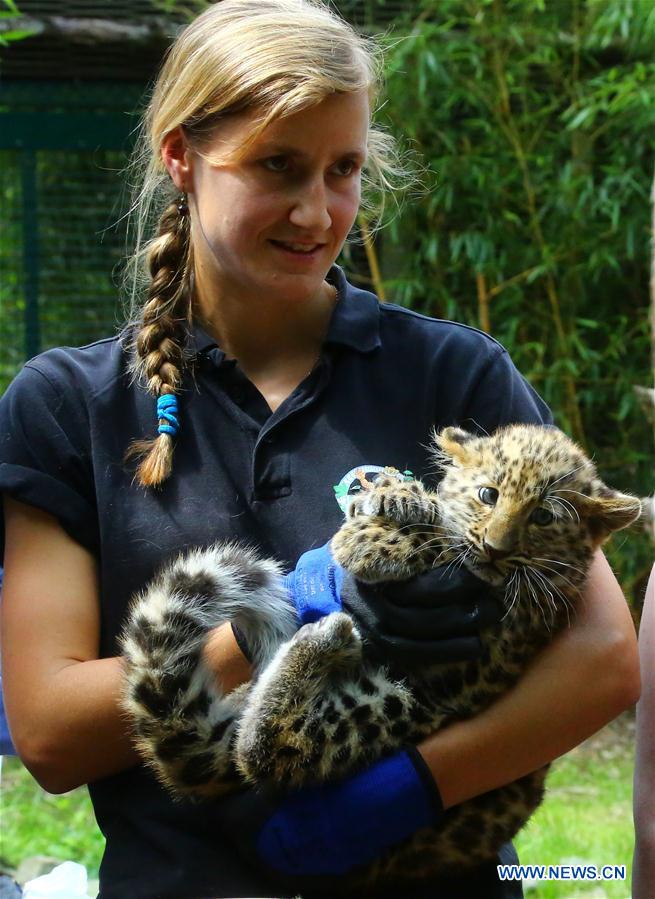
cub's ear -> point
(453, 443)
(608, 510)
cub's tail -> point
(182, 721)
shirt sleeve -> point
(502, 396)
(44, 456)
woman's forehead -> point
(340, 123)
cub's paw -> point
(404, 502)
(374, 549)
(334, 638)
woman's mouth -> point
(298, 250)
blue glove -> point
(315, 585)
(331, 829)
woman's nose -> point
(310, 208)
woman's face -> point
(273, 222)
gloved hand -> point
(315, 585)
(434, 617)
(333, 828)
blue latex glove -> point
(315, 585)
(331, 829)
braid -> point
(161, 338)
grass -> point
(36, 823)
(587, 816)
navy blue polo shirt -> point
(278, 481)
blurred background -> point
(531, 126)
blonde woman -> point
(251, 381)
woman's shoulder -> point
(398, 329)
(90, 364)
(88, 369)
(438, 330)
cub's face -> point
(526, 499)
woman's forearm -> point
(92, 738)
(76, 732)
(579, 683)
(62, 701)
(223, 656)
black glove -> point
(433, 618)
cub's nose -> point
(495, 554)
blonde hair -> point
(274, 57)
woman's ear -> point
(176, 156)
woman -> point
(287, 378)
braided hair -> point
(159, 344)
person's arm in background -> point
(580, 682)
(62, 701)
(643, 871)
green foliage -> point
(586, 816)
(8, 34)
(37, 823)
(535, 122)
(12, 302)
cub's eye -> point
(488, 495)
(542, 516)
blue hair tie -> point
(167, 409)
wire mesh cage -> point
(63, 148)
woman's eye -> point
(276, 163)
(542, 516)
(488, 495)
(346, 167)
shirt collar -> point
(355, 320)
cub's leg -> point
(392, 532)
(318, 711)
(183, 723)
(470, 833)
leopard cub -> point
(522, 509)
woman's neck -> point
(269, 336)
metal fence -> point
(62, 150)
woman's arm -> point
(643, 873)
(62, 701)
(585, 678)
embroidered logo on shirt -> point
(362, 478)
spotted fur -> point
(184, 725)
(523, 509)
